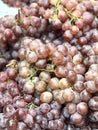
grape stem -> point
(32, 105)
(18, 16)
(72, 17)
(13, 65)
(34, 70)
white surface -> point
(6, 10)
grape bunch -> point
(18, 3)
(49, 66)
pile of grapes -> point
(18, 3)
(49, 66)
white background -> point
(6, 10)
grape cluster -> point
(49, 66)
(19, 3)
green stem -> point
(52, 70)
(71, 16)
(31, 105)
(13, 65)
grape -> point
(49, 115)
(21, 113)
(80, 69)
(56, 113)
(52, 125)
(42, 52)
(47, 14)
(78, 58)
(71, 76)
(57, 24)
(65, 113)
(68, 95)
(44, 123)
(87, 17)
(72, 50)
(66, 26)
(20, 103)
(85, 95)
(95, 48)
(76, 118)
(3, 121)
(35, 22)
(12, 124)
(54, 83)
(36, 127)
(9, 111)
(79, 86)
(24, 71)
(60, 124)
(80, 77)
(2, 62)
(64, 83)
(29, 121)
(90, 87)
(69, 66)
(21, 126)
(94, 35)
(71, 4)
(32, 112)
(28, 97)
(25, 23)
(41, 63)
(62, 15)
(71, 108)
(40, 86)
(51, 47)
(38, 118)
(90, 75)
(57, 57)
(94, 116)
(60, 71)
(37, 101)
(3, 76)
(58, 96)
(8, 33)
(67, 35)
(82, 41)
(44, 3)
(28, 87)
(49, 65)
(82, 108)
(77, 98)
(46, 97)
(93, 103)
(3, 86)
(44, 108)
(31, 57)
(96, 82)
(55, 105)
(45, 76)
(17, 30)
(7, 98)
